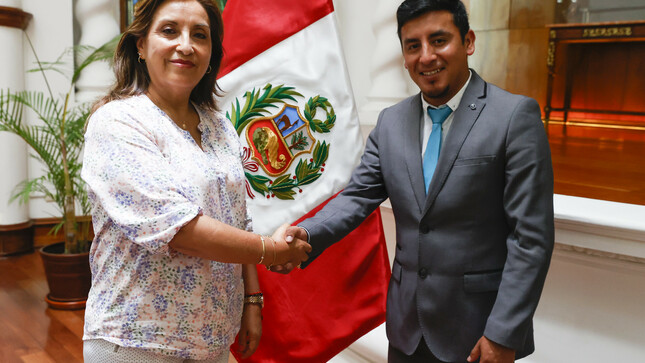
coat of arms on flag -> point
(275, 141)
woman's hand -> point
(292, 234)
(293, 253)
(250, 330)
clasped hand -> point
(295, 237)
(289, 253)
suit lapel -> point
(412, 143)
(471, 105)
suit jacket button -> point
(423, 273)
(425, 229)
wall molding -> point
(590, 256)
(35, 233)
(14, 17)
(16, 238)
(43, 228)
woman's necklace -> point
(158, 104)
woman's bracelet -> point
(274, 254)
(264, 249)
(256, 298)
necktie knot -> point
(439, 115)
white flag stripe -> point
(312, 62)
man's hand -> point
(490, 352)
(291, 253)
(292, 235)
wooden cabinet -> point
(596, 73)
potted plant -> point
(57, 143)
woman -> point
(165, 178)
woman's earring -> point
(209, 69)
(140, 60)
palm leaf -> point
(56, 140)
(102, 53)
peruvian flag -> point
(289, 98)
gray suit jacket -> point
(471, 255)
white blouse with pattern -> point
(146, 179)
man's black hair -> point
(412, 9)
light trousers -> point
(102, 351)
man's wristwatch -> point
(257, 299)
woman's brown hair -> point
(132, 76)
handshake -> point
(290, 249)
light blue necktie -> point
(431, 156)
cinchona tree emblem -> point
(276, 141)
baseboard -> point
(43, 235)
(16, 238)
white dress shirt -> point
(426, 125)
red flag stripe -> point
(253, 26)
(313, 314)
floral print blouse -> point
(146, 179)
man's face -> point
(435, 56)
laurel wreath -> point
(310, 112)
(256, 104)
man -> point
(474, 224)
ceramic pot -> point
(68, 276)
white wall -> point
(591, 311)
(50, 31)
(614, 10)
(13, 151)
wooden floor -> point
(29, 331)
(599, 163)
(588, 162)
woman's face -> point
(177, 48)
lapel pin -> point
(472, 106)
